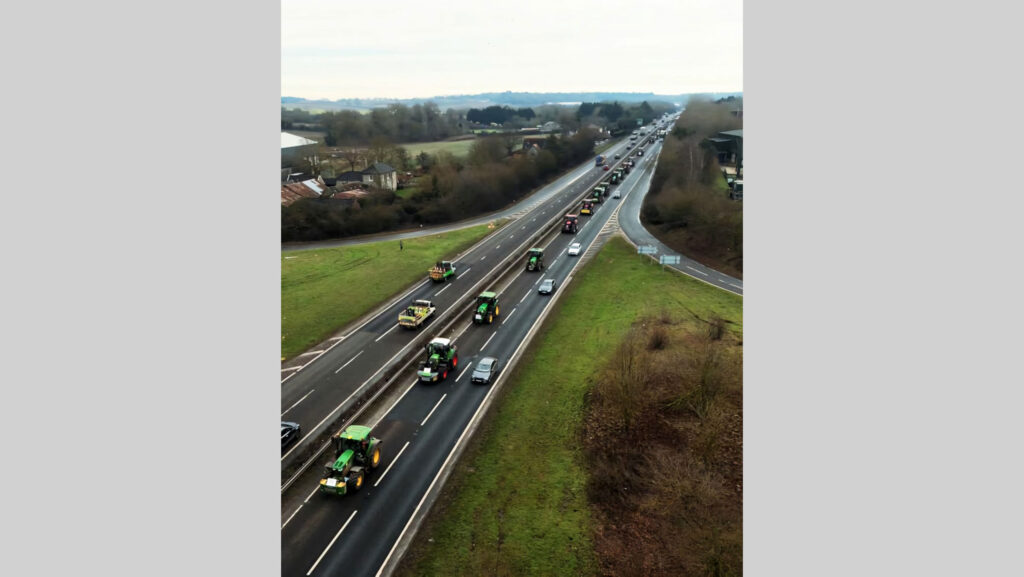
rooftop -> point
(292, 140)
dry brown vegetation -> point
(663, 437)
(688, 207)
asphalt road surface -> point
(358, 533)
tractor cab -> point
(486, 308)
(570, 223)
(587, 208)
(438, 347)
(535, 259)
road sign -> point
(669, 259)
(647, 249)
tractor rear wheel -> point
(375, 457)
(356, 482)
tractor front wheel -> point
(375, 458)
(444, 375)
(497, 311)
(490, 319)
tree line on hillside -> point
(688, 207)
(395, 123)
(498, 114)
(451, 190)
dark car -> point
(290, 432)
(547, 286)
(485, 370)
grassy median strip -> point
(322, 290)
(517, 502)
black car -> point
(290, 432)
(485, 370)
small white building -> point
(294, 147)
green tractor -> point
(616, 176)
(535, 260)
(355, 450)
(486, 308)
(441, 358)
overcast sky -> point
(401, 49)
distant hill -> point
(485, 99)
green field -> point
(322, 290)
(457, 147)
(516, 503)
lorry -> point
(535, 260)
(599, 161)
(587, 208)
(570, 224)
(486, 308)
(442, 271)
(355, 451)
(441, 358)
(416, 314)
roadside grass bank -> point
(322, 290)
(526, 498)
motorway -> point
(359, 534)
(323, 383)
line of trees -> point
(688, 206)
(498, 114)
(620, 119)
(451, 190)
(395, 122)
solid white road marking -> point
(463, 372)
(377, 340)
(312, 353)
(349, 361)
(434, 409)
(393, 461)
(298, 401)
(510, 314)
(488, 340)
(331, 544)
(292, 368)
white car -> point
(574, 248)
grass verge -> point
(324, 289)
(517, 503)
(457, 147)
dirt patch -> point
(663, 439)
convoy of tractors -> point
(356, 450)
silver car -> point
(547, 286)
(485, 371)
